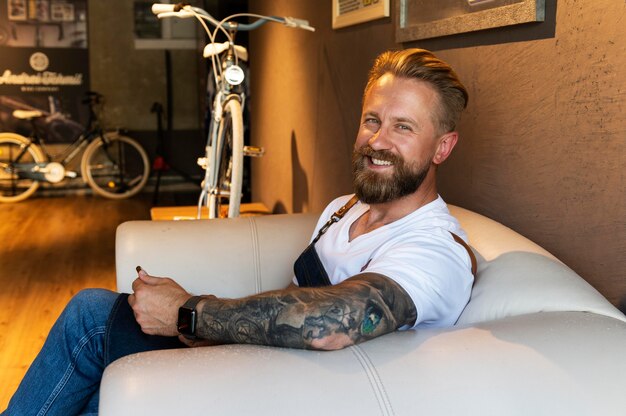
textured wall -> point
(546, 139)
(133, 79)
(543, 140)
(306, 103)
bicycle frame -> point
(226, 91)
(89, 132)
(64, 158)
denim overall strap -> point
(308, 268)
(336, 217)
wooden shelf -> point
(189, 212)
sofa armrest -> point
(226, 257)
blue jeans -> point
(65, 377)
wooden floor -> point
(50, 249)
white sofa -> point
(535, 339)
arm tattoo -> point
(360, 308)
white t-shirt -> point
(417, 252)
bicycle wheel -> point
(115, 166)
(230, 169)
(13, 150)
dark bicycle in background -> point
(112, 164)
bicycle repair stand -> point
(161, 163)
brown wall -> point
(543, 139)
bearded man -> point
(391, 257)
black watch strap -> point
(192, 302)
(188, 317)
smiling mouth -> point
(380, 162)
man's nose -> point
(379, 140)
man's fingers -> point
(136, 283)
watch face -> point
(187, 321)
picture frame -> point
(17, 10)
(352, 12)
(43, 10)
(62, 12)
(425, 19)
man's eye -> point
(404, 127)
(371, 121)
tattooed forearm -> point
(361, 308)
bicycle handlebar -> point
(178, 10)
(158, 8)
(298, 23)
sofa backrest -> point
(226, 257)
(242, 256)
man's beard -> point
(374, 187)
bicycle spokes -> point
(117, 167)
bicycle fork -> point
(213, 189)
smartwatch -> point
(188, 317)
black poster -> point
(44, 65)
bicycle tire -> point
(115, 168)
(13, 188)
(230, 168)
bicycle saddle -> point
(27, 114)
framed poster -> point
(351, 12)
(424, 19)
(62, 12)
(43, 11)
(17, 10)
(44, 65)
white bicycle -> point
(224, 152)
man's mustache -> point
(367, 150)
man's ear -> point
(445, 146)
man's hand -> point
(155, 303)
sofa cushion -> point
(518, 283)
(516, 276)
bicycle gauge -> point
(234, 75)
